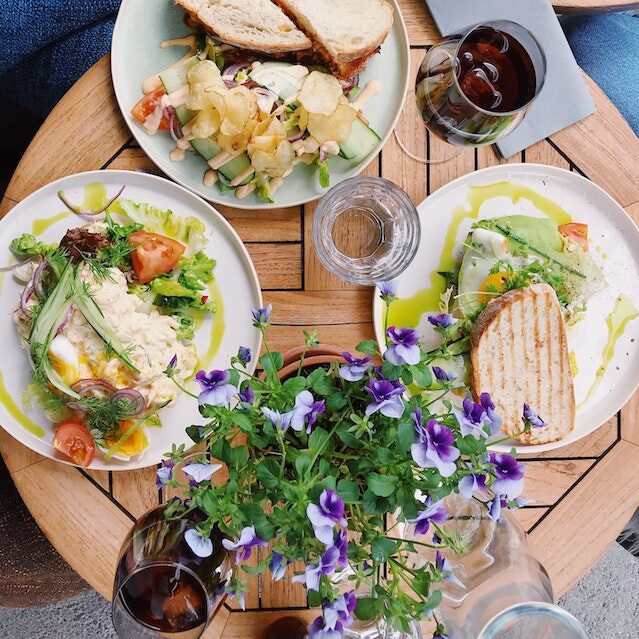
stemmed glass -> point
(473, 89)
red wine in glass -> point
(474, 88)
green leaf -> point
(468, 445)
(348, 490)
(324, 175)
(348, 438)
(434, 600)
(381, 485)
(390, 371)
(314, 599)
(336, 401)
(254, 570)
(368, 608)
(374, 505)
(271, 363)
(368, 346)
(238, 456)
(422, 375)
(302, 464)
(382, 549)
(221, 450)
(241, 419)
(234, 377)
(268, 472)
(294, 385)
(322, 384)
(194, 433)
(319, 437)
(327, 483)
(406, 436)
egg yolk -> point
(134, 444)
(494, 283)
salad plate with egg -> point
(120, 287)
(535, 272)
(260, 106)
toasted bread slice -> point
(519, 354)
(345, 33)
(255, 25)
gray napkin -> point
(564, 98)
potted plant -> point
(320, 458)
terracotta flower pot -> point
(323, 354)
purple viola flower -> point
(247, 396)
(474, 418)
(306, 411)
(435, 513)
(531, 418)
(436, 449)
(403, 347)
(316, 630)
(470, 483)
(340, 611)
(442, 376)
(442, 320)
(239, 596)
(261, 316)
(164, 473)
(494, 507)
(278, 566)
(199, 472)
(355, 367)
(243, 547)
(341, 543)
(170, 369)
(326, 566)
(202, 546)
(244, 354)
(509, 475)
(443, 566)
(386, 398)
(277, 419)
(387, 290)
(326, 515)
(216, 390)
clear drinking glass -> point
(500, 583)
(162, 588)
(366, 230)
(473, 89)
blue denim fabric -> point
(606, 46)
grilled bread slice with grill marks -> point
(519, 354)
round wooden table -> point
(583, 494)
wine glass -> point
(473, 89)
(162, 588)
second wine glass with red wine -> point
(473, 89)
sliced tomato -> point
(575, 232)
(154, 254)
(143, 109)
(75, 442)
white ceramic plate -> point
(43, 214)
(614, 245)
(140, 28)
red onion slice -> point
(88, 214)
(65, 321)
(175, 128)
(37, 278)
(25, 296)
(234, 69)
(322, 155)
(295, 136)
(93, 388)
(131, 399)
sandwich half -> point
(255, 25)
(344, 33)
(519, 354)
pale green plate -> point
(136, 55)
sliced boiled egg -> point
(66, 360)
(134, 445)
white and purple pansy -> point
(341, 543)
(470, 483)
(355, 367)
(442, 376)
(442, 321)
(198, 472)
(403, 346)
(317, 630)
(261, 316)
(387, 397)
(531, 418)
(479, 420)
(446, 572)
(164, 473)
(201, 545)
(494, 507)
(339, 613)
(305, 411)
(433, 513)
(215, 388)
(387, 290)
(326, 515)
(435, 448)
(244, 354)
(247, 396)
(278, 565)
(509, 474)
(277, 419)
(243, 547)
(325, 566)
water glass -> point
(162, 588)
(366, 230)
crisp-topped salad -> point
(102, 313)
(253, 121)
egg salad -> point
(102, 314)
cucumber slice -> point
(236, 166)
(206, 148)
(272, 76)
(173, 79)
(360, 142)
